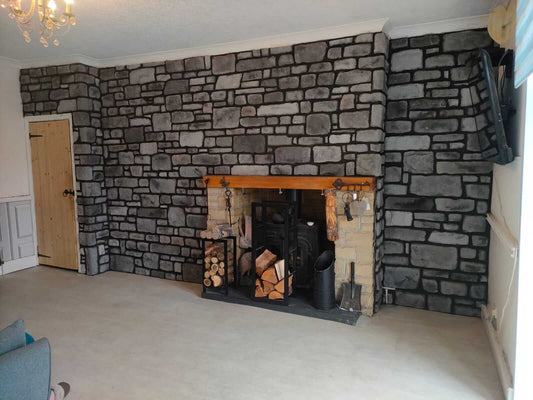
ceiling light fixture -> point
(50, 21)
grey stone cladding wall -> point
(437, 187)
(75, 89)
(308, 109)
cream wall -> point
(506, 207)
(14, 180)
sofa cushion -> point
(25, 372)
(12, 337)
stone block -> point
(398, 218)
(173, 102)
(409, 299)
(318, 124)
(453, 288)
(449, 238)
(400, 143)
(194, 63)
(176, 216)
(405, 234)
(223, 64)
(327, 154)
(466, 40)
(278, 109)
(353, 77)
(121, 263)
(439, 303)
(436, 185)
(191, 138)
(91, 260)
(433, 256)
(228, 82)
(455, 205)
(464, 167)
(161, 122)
(401, 277)
(355, 119)
(249, 144)
(193, 172)
(161, 162)
(439, 61)
(406, 60)
(151, 260)
(250, 170)
(162, 185)
(142, 75)
(436, 125)
(146, 225)
(408, 203)
(358, 50)
(226, 117)
(369, 164)
(176, 86)
(310, 52)
(430, 285)
(292, 155)
(408, 91)
(418, 162)
(474, 223)
(478, 191)
(251, 64)
(134, 135)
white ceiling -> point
(119, 28)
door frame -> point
(45, 118)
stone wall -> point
(308, 109)
(437, 188)
(75, 89)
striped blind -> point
(524, 41)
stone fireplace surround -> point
(144, 135)
(355, 238)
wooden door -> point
(53, 187)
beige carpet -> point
(119, 336)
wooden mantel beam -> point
(290, 182)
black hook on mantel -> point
(339, 184)
(224, 182)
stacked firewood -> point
(215, 265)
(270, 280)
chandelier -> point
(50, 20)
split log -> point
(214, 268)
(275, 295)
(212, 273)
(207, 274)
(270, 275)
(280, 286)
(213, 248)
(265, 260)
(331, 215)
(214, 260)
(221, 264)
(217, 280)
(207, 282)
(267, 287)
(259, 289)
(221, 271)
(280, 269)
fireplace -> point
(316, 229)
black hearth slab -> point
(297, 305)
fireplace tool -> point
(351, 293)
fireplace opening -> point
(280, 227)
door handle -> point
(67, 192)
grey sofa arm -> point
(25, 372)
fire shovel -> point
(351, 293)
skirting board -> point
(18, 264)
(497, 351)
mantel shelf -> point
(287, 182)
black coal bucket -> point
(324, 284)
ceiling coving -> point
(50, 20)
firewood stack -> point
(215, 265)
(271, 276)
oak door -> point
(55, 200)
